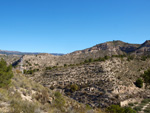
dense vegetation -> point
(5, 73)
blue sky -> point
(63, 26)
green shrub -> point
(65, 65)
(29, 63)
(86, 61)
(145, 101)
(57, 94)
(88, 107)
(30, 71)
(5, 74)
(136, 103)
(129, 110)
(143, 58)
(91, 60)
(130, 58)
(131, 104)
(74, 87)
(137, 108)
(48, 68)
(59, 101)
(146, 77)
(101, 59)
(115, 109)
(106, 57)
(118, 109)
(139, 83)
(119, 56)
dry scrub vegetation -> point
(25, 96)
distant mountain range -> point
(24, 53)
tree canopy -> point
(5, 73)
(139, 83)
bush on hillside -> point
(106, 57)
(5, 73)
(30, 71)
(115, 109)
(146, 77)
(59, 101)
(91, 60)
(65, 65)
(129, 110)
(139, 83)
(74, 87)
(118, 109)
(143, 58)
(130, 58)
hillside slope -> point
(27, 96)
(100, 84)
(99, 76)
(144, 49)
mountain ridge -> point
(100, 50)
(110, 45)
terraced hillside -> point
(99, 83)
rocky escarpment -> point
(100, 84)
(144, 49)
(100, 50)
(116, 47)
